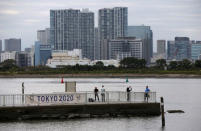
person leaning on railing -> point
(146, 94)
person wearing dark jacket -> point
(128, 90)
(96, 93)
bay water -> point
(179, 94)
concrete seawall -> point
(79, 111)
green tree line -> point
(127, 65)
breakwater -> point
(78, 111)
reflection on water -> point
(181, 94)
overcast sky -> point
(167, 18)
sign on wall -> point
(48, 99)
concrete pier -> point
(78, 111)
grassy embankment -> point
(101, 72)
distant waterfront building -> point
(64, 58)
(42, 53)
(183, 48)
(179, 49)
(156, 57)
(74, 57)
(144, 33)
(43, 36)
(12, 44)
(28, 50)
(171, 54)
(7, 55)
(22, 59)
(196, 50)
(112, 23)
(0, 49)
(199, 57)
(0, 46)
(123, 47)
(71, 29)
(30, 55)
(161, 47)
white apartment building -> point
(8, 55)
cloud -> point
(31, 21)
(9, 12)
(167, 18)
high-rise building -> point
(71, 29)
(161, 46)
(12, 44)
(0, 46)
(161, 49)
(96, 45)
(120, 21)
(86, 29)
(0, 49)
(123, 47)
(179, 49)
(43, 36)
(196, 50)
(112, 23)
(42, 53)
(144, 33)
(171, 54)
(183, 48)
(64, 29)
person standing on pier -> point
(128, 90)
(103, 93)
(146, 94)
(96, 93)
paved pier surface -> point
(78, 111)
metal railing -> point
(74, 98)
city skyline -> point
(22, 19)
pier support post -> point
(162, 112)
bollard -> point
(22, 92)
(4, 100)
(162, 112)
(86, 101)
(119, 96)
(13, 100)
